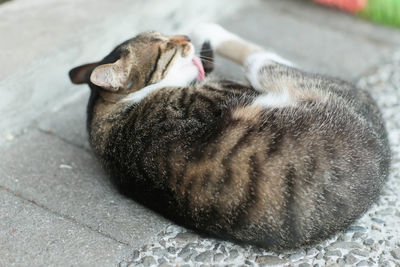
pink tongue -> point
(197, 62)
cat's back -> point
(276, 177)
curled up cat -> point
(286, 160)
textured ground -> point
(57, 206)
(372, 240)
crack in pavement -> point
(64, 216)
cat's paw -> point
(212, 33)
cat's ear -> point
(111, 76)
(81, 74)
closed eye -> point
(151, 74)
(169, 63)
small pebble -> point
(377, 220)
(248, 263)
(190, 245)
(382, 259)
(216, 246)
(185, 237)
(222, 249)
(340, 261)
(161, 261)
(271, 260)
(312, 251)
(344, 245)
(397, 213)
(65, 166)
(135, 255)
(373, 227)
(357, 235)
(206, 256)
(297, 256)
(233, 254)
(185, 252)
(304, 264)
(362, 263)
(375, 247)
(160, 252)
(218, 257)
(356, 228)
(396, 253)
(331, 263)
(384, 212)
(162, 243)
(350, 259)
(369, 242)
(148, 261)
(344, 238)
(9, 137)
(171, 250)
(331, 253)
(190, 256)
(358, 252)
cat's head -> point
(146, 59)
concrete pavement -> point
(57, 205)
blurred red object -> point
(347, 5)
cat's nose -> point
(180, 39)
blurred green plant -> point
(380, 11)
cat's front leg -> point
(230, 45)
(222, 42)
(266, 71)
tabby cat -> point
(287, 160)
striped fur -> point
(206, 157)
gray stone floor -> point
(58, 207)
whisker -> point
(208, 58)
(214, 64)
(207, 50)
(208, 61)
(202, 56)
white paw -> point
(256, 61)
(212, 33)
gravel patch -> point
(373, 240)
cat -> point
(285, 161)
